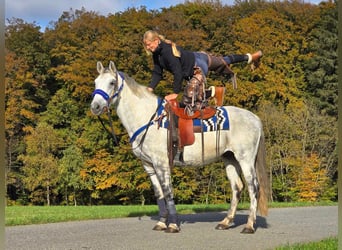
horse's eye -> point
(112, 83)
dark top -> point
(181, 68)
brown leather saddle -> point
(186, 129)
(181, 123)
(185, 126)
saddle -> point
(185, 125)
(184, 119)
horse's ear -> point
(99, 67)
(112, 67)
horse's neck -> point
(135, 111)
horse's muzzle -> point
(96, 108)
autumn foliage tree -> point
(57, 152)
(40, 163)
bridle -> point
(109, 99)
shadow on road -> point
(240, 219)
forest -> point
(57, 152)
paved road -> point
(283, 225)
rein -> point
(111, 133)
(109, 100)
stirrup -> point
(178, 159)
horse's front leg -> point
(163, 192)
(167, 214)
(163, 213)
(164, 177)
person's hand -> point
(149, 89)
(171, 97)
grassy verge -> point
(24, 215)
(326, 244)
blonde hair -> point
(152, 35)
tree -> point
(40, 163)
(70, 180)
(321, 67)
(294, 136)
(49, 78)
(26, 95)
(312, 180)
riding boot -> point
(254, 59)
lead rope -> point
(116, 142)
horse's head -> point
(107, 87)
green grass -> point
(24, 215)
(326, 244)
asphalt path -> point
(282, 226)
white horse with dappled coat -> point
(240, 145)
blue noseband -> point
(101, 93)
(104, 94)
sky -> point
(42, 12)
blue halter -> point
(105, 95)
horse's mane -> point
(137, 89)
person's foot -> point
(254, 59)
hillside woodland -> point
(57, 152)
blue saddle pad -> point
(219, 121)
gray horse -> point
(240, 146)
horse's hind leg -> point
(233, 171)
(253, 190)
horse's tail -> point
(262, 177)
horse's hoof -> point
(160, 226)
(172, 228)
(222, 227)
(247, 230)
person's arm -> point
(171, 97)
(157, 74)
(176, 69)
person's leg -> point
(202, 61)
(231, 59)
(249, 58)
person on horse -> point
(190, 66)
(184, 64)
